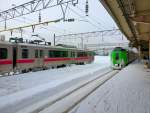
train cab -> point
(118, 58)
(6, 57)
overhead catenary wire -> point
(83, 18)
(91, 17)
(39, 16)
(86, 20)
(53, 27)
(42, 26)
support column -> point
(139, 51)
(54, 39)
(149, 49)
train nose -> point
(117, 65)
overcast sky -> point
(97, 20)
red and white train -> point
(24, 57)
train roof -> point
(54, 47)
(123, 49)
(41, 46)
(119, 49)
(44, 46)
(6, 43)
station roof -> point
(133, 19)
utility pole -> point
(81, 42)
(54, 39)
(21, 32)
(102, 37)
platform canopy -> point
(133, 18)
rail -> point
(67, 100)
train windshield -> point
(119, 49)
(117, 56)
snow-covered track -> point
(65, 101)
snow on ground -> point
(127, 92)
(17, 92)
(12, 84)
(102, 60)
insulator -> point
(86, 8)
(71, 20)
(11, 32)
(5, 25)
(39, 17)
(33, 28)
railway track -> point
(67, 100)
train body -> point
(26, 57)
(121, 57)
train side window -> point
(57, 54)
(80, 54)
(85, 54)
(25, 53)
(50, 54)
(64, 54)
(41, 53)
(3, 53)
(72, 54)
(36, 53)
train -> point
(121, 57)
(19, 56)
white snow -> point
(127, 92)
(18, 90)
(102, 60)
(12, 84)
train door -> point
(14, 56)
(39, 57)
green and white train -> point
(121, 57)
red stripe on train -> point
(82, 58)
(64, 59)
(5, 62)
(56, 59)
(25, 60)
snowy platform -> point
(127, 92)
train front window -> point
(25, 53)
(117, 56)
(3, 53)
